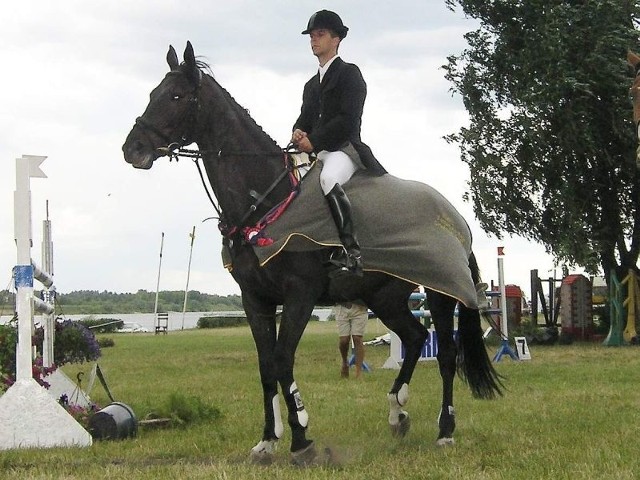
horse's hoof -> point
(310, 457)
(261, 458)
(401, 428)
(263, 453)
(445, 441)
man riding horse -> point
(329, 125)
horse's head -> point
(170, 116)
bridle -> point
(177, 150)
(189, 119)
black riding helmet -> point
(329, 20)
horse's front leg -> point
(261, 319)
(295, 315)
(293, 322)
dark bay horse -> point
(247, 174)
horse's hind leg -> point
(442, 309)
(390, 305)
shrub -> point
(183, 409)
(74, 343)
(8, 341)
(106, 342)
(219, 322)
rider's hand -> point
(297, 136)
(305, 145)
(301, 141)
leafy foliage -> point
(218, 322)
(551, 142)
(94, 302)
(8, 341)
(186, 409)
(73, 343)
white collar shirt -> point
(323, 69)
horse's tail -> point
(474, 365)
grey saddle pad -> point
(405, 228)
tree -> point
(551, 142)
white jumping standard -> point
(29, 416)
(430, 348)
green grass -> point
(570, 413)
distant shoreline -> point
(176, 321)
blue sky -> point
(76, 75)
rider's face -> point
(323, 44)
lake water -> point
(176, 320)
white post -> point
(26, 167)
(49, 293)
(186, 289)
(155, 308)
(504, 327)
(504, 324)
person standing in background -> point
(351, 319)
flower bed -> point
(74, 343)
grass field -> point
(572, 412)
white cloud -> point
(78, 73)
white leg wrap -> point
(303, 416)
(396, 402)
(265, 447)
(277, 417)
(451, 410)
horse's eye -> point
(177, 97)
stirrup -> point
(348, 263)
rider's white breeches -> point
(337, 167)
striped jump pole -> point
(430, 348)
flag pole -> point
(186, 289)
(155, 308)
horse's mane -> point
(205, 68)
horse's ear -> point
(190, 63)
(172, 58)
(189, 57)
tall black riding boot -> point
(341, 211)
